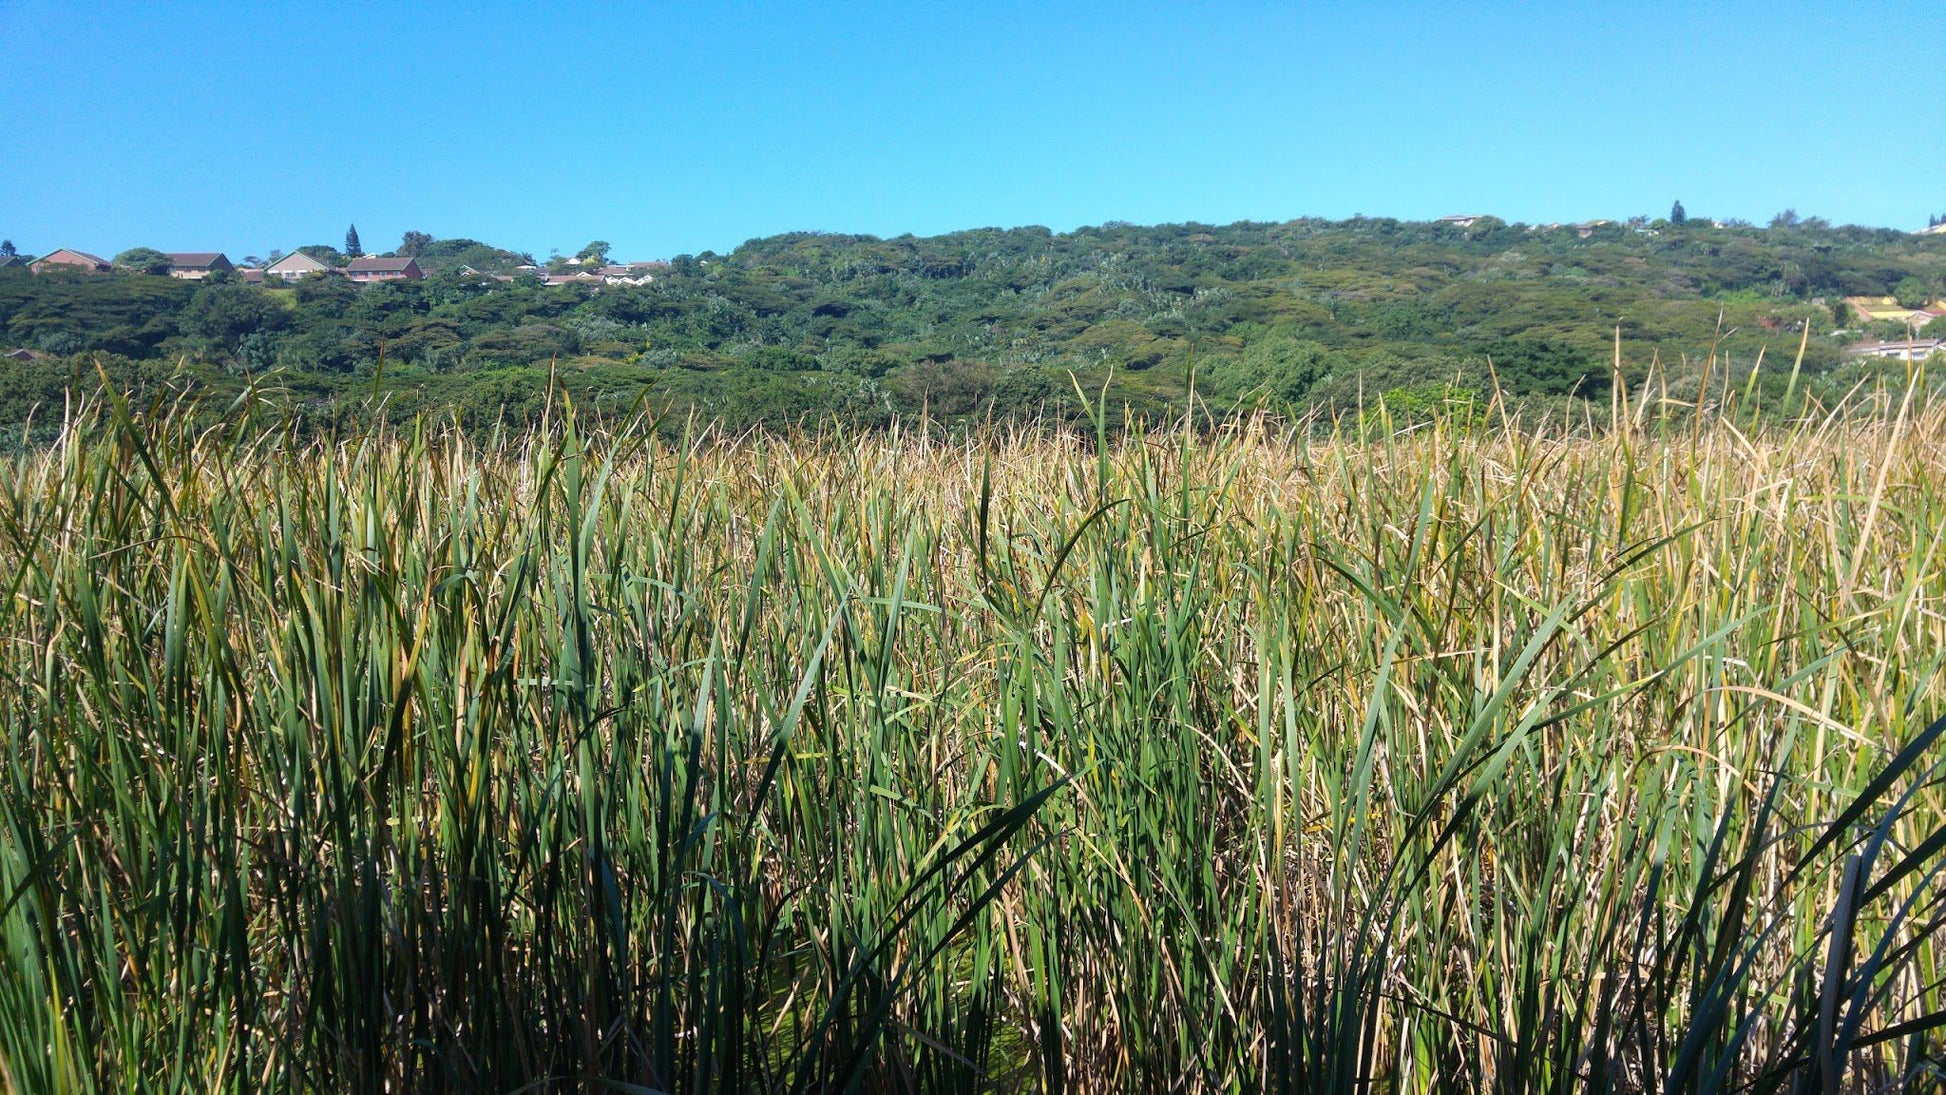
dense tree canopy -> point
(1305, 312)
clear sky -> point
(258, 125)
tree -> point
(7, 249)
(143, 260)
(351, 242)
(323, 252)
(1542, 366)
(596, 250)
(224, 314)
(413, 244)
(1280, 366)
(1786, 219)
(1911, 293)
(1677, 215)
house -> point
(1917, 349)
(1935, 230)
(295, 265)
(197, 265)
(583, 278)
(67, 259)
(634, 273)
(370, 269)
(22, 355)
(8, 262)
(251, 275)
(1462, 220)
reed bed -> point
(1452, 757)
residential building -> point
(8, 262)
(1916, 349)
(197, 265)
(634, 273)
(1462, 220)
(295, 265)
(369, 269)
(71, 261)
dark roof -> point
(370, 265)
(197, 260)
(10, 260)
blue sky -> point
(251, 126)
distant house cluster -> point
(1584, 229)
(1911, 348)
(630, 273)
(363, 269)
(197, 265)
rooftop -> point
(195, 260)
(372, 265)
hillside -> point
(1306, 312)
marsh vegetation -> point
(1471, 753)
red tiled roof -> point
(67, 256)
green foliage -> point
(352, 247)
(1279, 367)
(1911, 292)
(1442, 401)
(1542, 366)
(130, 316)
(222, 314)
(143, 260)
(1299, 314)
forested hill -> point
(811, 325)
